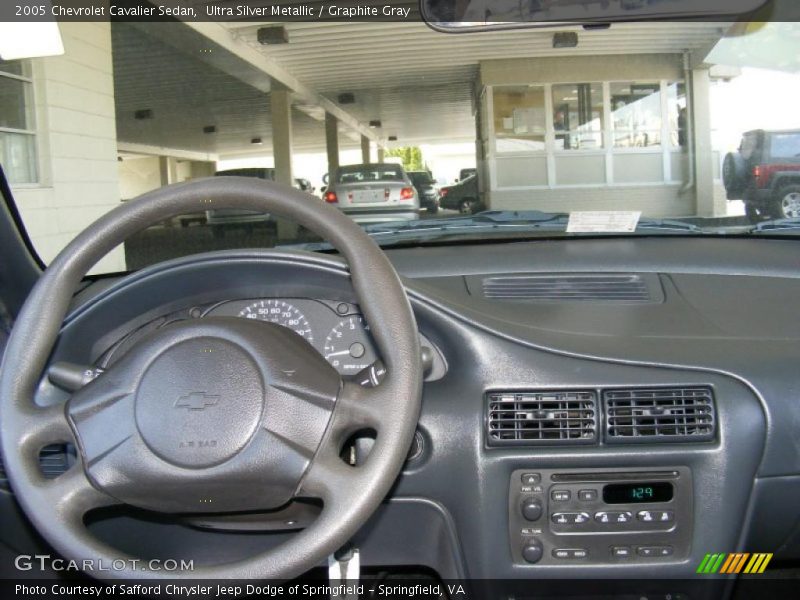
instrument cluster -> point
(336, 329)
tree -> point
(411, 157)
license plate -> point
(363, 196)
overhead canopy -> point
(762, 45)
(417, 82)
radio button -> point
(570, 553)
(613, 516)
(621, 551)
(656, 516)
(560, 495)
(570, 518)
(654, 551)
(587, 495)
(531, 478)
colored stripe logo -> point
(734, 563)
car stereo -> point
(604, 516)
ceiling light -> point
(375, 123)
(392, 138)
(142, 114)
(256, 141)
(565, 39)
(272, 35)
(210, 129)
(346, 98)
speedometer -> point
(348, 347)
(280, 313)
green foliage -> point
(410, 155)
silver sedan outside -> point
(373, 193)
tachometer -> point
(348, 347)
(280, 313)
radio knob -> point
(532, 509)
(532, 552)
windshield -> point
(637, 128)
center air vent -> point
(542, 418)
(647, 415)
(580, 287)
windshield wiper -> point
(510, 221)
(776, 225)
(494, 223)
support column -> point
(381, 154)
(332, 141)
(281, 103)
(365, 158)
(703, 151)
(168, 171)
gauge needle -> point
(340, 353)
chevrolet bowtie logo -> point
(196, 401)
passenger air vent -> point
(578, 287)
(647, 415)
(54, 460)
(542, 418)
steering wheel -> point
(213, 415)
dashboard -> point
(525, 466)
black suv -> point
(426, 190)
(765, 173)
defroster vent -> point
(542, 418)
(560, 287)
(647, 415)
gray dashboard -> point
(716, 314)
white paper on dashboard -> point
(603, 221)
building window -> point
(17, 134)
(636, 114)
(519, 118)
(578, 116)
(676, 114)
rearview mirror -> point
(325, 178)
(459, 15)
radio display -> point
(634, 493)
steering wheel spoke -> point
(72, 495)
(358, 409)
(44, 426)
(361, 407)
